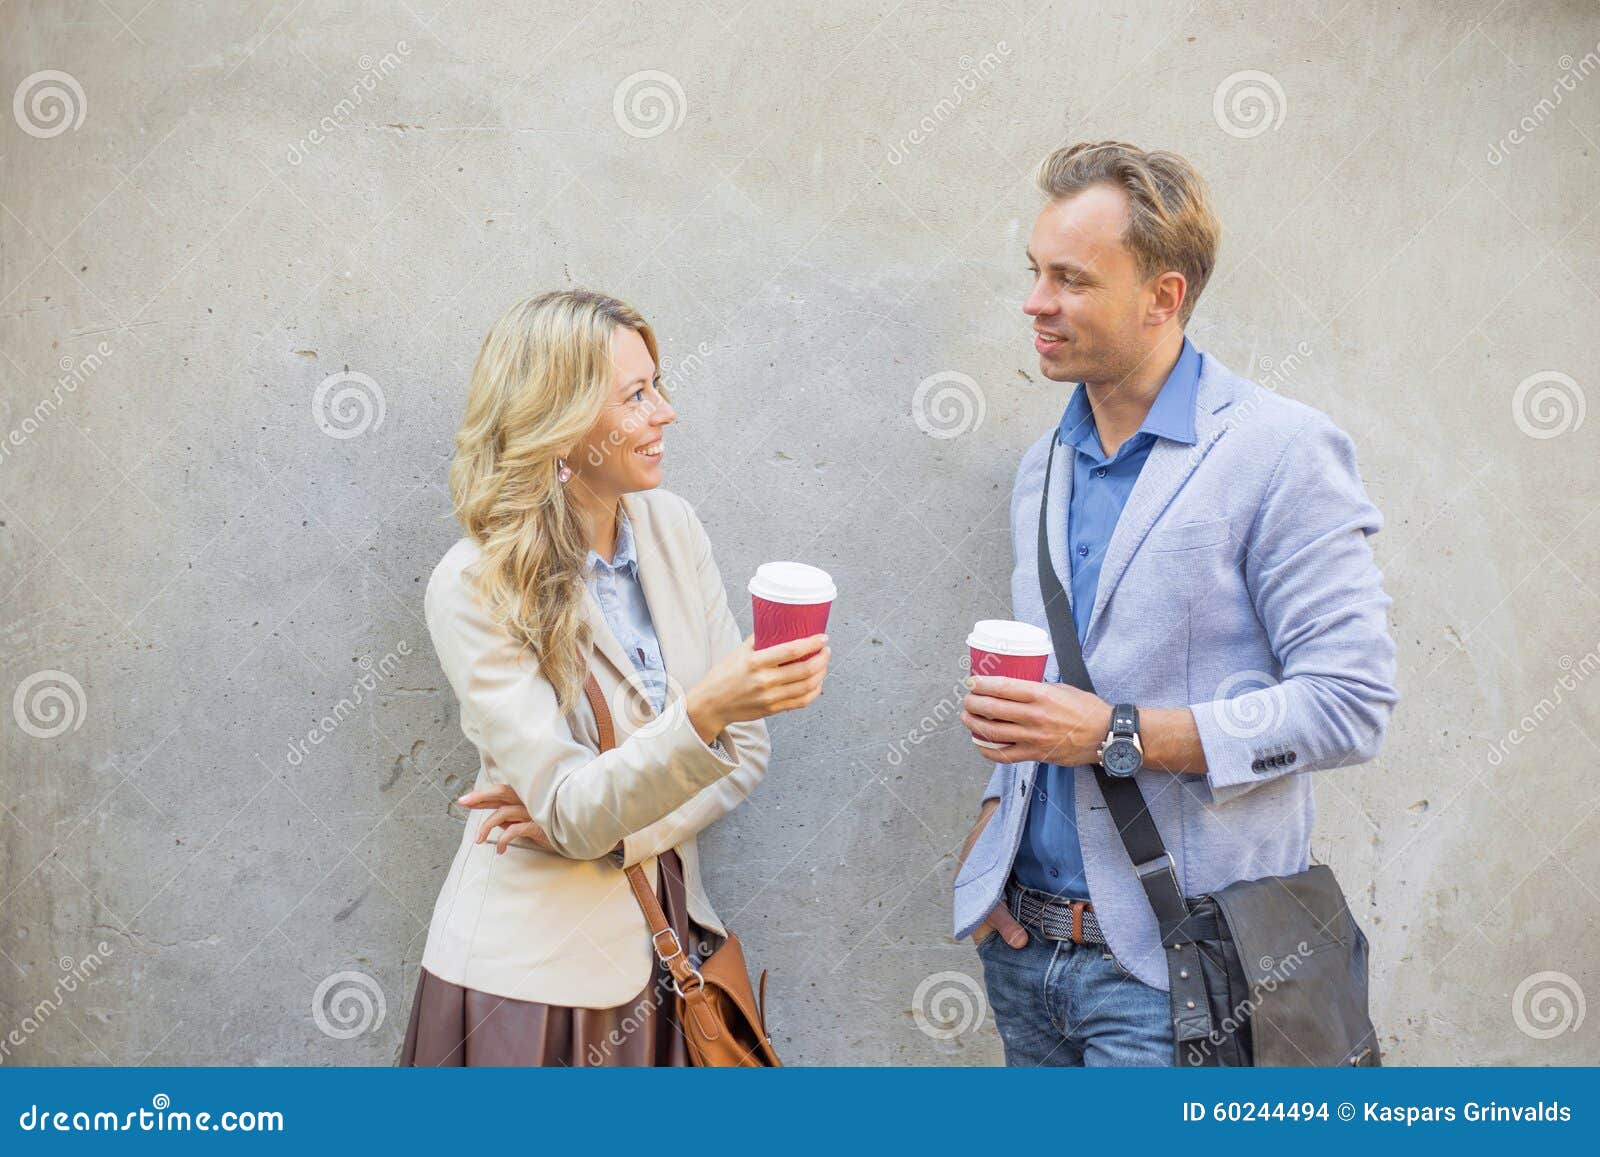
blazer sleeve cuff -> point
(1237, 763)
(721, 753)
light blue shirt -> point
(615, 586)
(1050, 858)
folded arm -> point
(1320, 597)
(585, 803)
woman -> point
(575, 563)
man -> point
(1211, 538)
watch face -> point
(1121, 757)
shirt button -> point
(1083, 551)
(1055, 873)
(1100, 472)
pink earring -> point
(563, 471)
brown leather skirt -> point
(454, 1026)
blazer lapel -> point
(1165, 471)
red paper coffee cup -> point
(1010, 649)
(791, 601)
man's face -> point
(1088, 300)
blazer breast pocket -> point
(1188, 536)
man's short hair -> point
(1171, 225)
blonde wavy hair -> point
(538, 386)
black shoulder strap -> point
(1128, 810)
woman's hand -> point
(747, 684)
(508, 813)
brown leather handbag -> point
(721, 1019)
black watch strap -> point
(1124, 719)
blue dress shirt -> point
(1050, 859)
(615, 586)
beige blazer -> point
(564, 929)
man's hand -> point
(1000, 920)
(1037, 722)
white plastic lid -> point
(792, 582)
(1008, 637)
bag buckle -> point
(677, 947)
(699, 983)
(1151, 867)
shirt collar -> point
(624, 558)
(1171, 415)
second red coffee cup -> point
(790, 600)
(1010, 649)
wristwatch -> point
(1121, 752)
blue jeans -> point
(1060, 1003)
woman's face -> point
(623, 451)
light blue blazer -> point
(1238, 582)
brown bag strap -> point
(685, 977)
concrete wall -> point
(244, 270)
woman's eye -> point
(638, 395)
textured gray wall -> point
(209, 537)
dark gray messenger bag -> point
(1269, 972)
